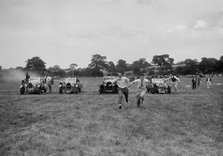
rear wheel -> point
(60, 90)
(100, 90)
(76, 91)
(138, 101)
(22, 91)
(169, 90)
(39, 91)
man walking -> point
(123, 84)
(141, 89)
(194, 82)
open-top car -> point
(70, 85)
(33, 86)
(108, 85)
(159, 85)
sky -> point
(62, 32)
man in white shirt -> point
(123, 84)
(208, 80)
(141, 89)
(49, 82)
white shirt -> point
(140, 85)
(48, 79)
(122, 82)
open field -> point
(185, 124)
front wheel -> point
(169, 90)
(22, 91)
(39, 91)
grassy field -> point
(185, 124)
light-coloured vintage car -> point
(33, 86)
(108, 85)
(70, 85)
(159, 85)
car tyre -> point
(22, 91)
(60, 90)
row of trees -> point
(206, 66)
(99, 65)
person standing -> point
(208, 80)
(49, 81)
(27, 77)
(198, 80)
(141, 89)
(194, 82)
(175, 80)
(123, 84)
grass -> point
(189, 123)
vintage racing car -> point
(33, 86)
(159, 85)
(70, 85)
(108, 85)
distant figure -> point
(198, 80)
(77, 80)
(175, 80)
(27, 77)
(208, 80)
(194, 82)
(123, 84)
(141, 89)
(49, 82)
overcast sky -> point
(62, 32)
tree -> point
(97, 64)
(56, 67)
(191, 67)
(208, 65)
(36, 64)
(139, 66)
(0, 67)
(164, 61)
(19, 68)
(121, 66)
(111, 67)
(57, 71)
(220, 65)
(72, 67)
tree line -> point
(160, 64)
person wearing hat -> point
(27, 77)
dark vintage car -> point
(108, 85)
(70, 86)
(33, 86)
(159, 86)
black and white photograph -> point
(111, 78)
